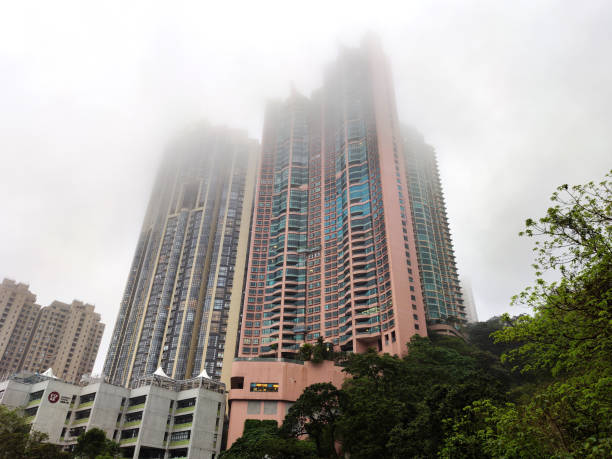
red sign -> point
(54, 397)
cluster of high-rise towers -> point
(333, 228)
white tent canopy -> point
(204, 374)
(49, 373)
(160, 372)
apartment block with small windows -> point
(61, 336)
(18, 318)
(158, 418)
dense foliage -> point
(533, 386)
(17, 441)
(93, 444)
(565, 346)
(262, 439)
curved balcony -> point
(368, 331)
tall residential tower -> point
(181, 305)
(333, 252)
(332, 241)
(439, 278)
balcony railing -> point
(125, 441)
(185, 409)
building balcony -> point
(366, 312)
(127, 441)
(86, 404)
(368, 331)
(185, 409)
(132, 423)
(33, 402)
(140, 406)
(179, 443)
(184, 426)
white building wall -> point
(207, 426)
(51, 416)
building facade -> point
(159, 418)
(436, 260)
(333, 252)
(181, 305)
(18, 315)
(64, 337)
(468, 299)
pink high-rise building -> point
(332, 250)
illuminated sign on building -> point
(264, 387)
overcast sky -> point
(516, 97)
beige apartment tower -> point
(63, 337)
(18, 315)
(181, 306)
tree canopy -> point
(17, 441)
(94, 444)
(566, 410)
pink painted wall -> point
(292, 379)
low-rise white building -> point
(157, 418)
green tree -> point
(93, 443)
(14, 433)
(19, 442)
(305, 352)
(263, 440)
(315, 414)
(566, 409)
(397, 407)
(479, 335)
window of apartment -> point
(253, 407)
(130, 417)
(129, 433)
(76, 431)
(186, 402)
(137, 400)
(269, 407)
(36, 395)
(182, 435)
(183, 419)
(87, 398)
(83, 414)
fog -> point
(516, 97)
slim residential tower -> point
(438, 270)
(182, 301)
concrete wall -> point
(15, 394)
(51, 416)
(206, 429)
(155, 415)
(207, 426)
(106, 407)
